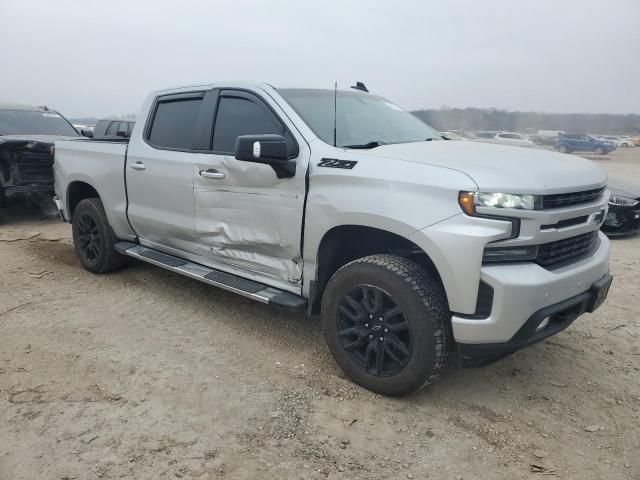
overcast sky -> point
(98, 58)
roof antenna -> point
(360, 86)
(335, 112)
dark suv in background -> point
(108, 129)
(27, 135)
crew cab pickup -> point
(414, 250)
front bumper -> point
(30, 189)
(542, 324)
(521, 290)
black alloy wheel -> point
(374, 331)
(89, 244)
(93, 238)
(387, 323)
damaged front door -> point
(248, 219)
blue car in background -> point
(568, 143)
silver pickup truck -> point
(415, 250)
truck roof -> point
(221, 84)
(247, 85)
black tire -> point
(599, 151)
(422, 326)
(563, 149)
(93, 238)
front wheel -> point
(599, 151)
(563, 149)
(386, 322)
(93, 239)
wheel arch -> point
(344, 243)
(77, 191)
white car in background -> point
(618, 142)
(626, 141)
(505, 138)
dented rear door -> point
(246, 217)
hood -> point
(34, 138)
(502, 168)
(623, 188)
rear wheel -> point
(563, 149)
(386, 322)
(599, 151)
(93, 239)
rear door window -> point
(176, 122)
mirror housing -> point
(86, 133)
(267, 149)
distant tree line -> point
(477, 119)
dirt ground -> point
(144, 374)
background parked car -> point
(452, 135)
(27, 134)
(627, 141)
(573, 142)
(86, 130)
(623, 217)
(505, 138)
(615, 140)
(108, 129)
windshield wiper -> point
(366, 146)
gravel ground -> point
(144, 374)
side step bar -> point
(233, 283)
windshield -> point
(362, 119)
(24, 122)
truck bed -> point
(105, 160)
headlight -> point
(469, 200)
(619, 200)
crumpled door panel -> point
(250, 219)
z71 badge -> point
(335, 163)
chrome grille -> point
(560, 252)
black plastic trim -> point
(163, 258)
(484, 303)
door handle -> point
(211, 173)
(138, 166)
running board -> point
(233, 283)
